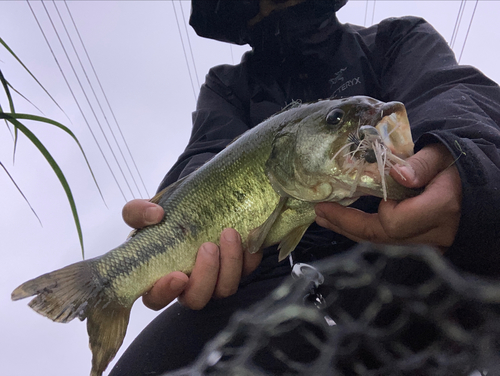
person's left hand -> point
(429, 218)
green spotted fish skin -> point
(246, 187)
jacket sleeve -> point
(459, 107)
(219, 118)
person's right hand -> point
(217, 271)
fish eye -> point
(335, 117)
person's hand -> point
(217, 271)
(429, 218)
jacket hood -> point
(227, 21)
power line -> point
(184, 50)
(189, 44)
(366, 13)
(75, 99)
(110, 109)
(457, 23)
(468, 30)
(86, 96)
(373, 12)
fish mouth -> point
(394, 129)
(383, 142)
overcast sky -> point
(136, 50)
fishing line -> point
(99, 102)
(75, 99)
(468, 30)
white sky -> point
(137, 53)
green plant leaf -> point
(21, 192)
(17, 92)
(6, 85)
(2, 42)
(12, 118)
(42, 119)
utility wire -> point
(189, 44)
(468, 30)
(88, 101)
(75, 99)
(366, 12)
(457, 24)
(373, 12)
(184, 49)
(107, 102)
(96, 98)
(231, 49)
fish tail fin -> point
(62, 294)
(106, 328)
(77, 291)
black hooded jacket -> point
(400, 59)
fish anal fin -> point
(290, 241)
(257, 236)
(106, 327)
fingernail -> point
(177, 284)
(210, 248)
(152, 215)
(230, 236)
(407, 171)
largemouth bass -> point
(264, 185)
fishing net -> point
(379, 311)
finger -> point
(430, 218)
(352, 223)
(139, 213)
(231, 263)
(437, 207)
(203, 279)
(165, 290)
(251, 261)
(423, 166)
(360, 226)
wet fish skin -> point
(243, 188)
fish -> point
(264, 184)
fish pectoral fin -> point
(258, 235)
(290, 241)
(106, 326)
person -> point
(300, 51)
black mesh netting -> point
(380, 311)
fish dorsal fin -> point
(167, 191)
(161, 196)
(290, 241)
(258, 235)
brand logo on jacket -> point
(339, 84)
(338, 76)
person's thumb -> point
(423, 166)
